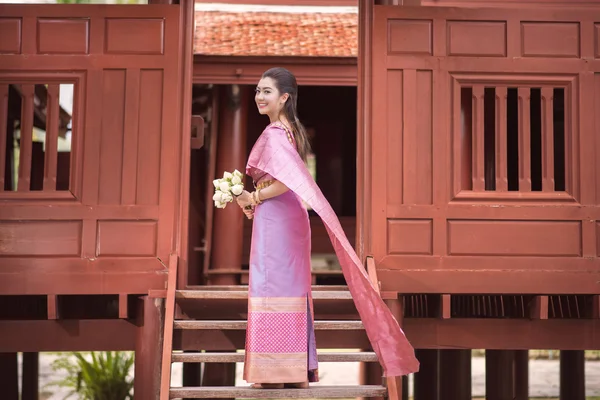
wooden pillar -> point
(427, 379)
(499, 374)
(572, 375)
(9, 381)
(228, 224)
(397, 386)
(30, 377)
(9, 159)
(148, 347)
(231, 154)
(455, 374)
(521, 374)
(371, 374)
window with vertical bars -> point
(514, 138)
(35, 136)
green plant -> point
(101, 376)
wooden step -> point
(235, 271)
(239, 357)
(245, 287)
(243, 294)
(241, 325)
(314, 392)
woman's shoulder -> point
(275, 127)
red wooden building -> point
(467, 177)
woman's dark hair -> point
(285, 82)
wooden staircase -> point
(231, 301)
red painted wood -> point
(9, 384)
(148, 348)
(499, 377)
(455, 374)
(3, 131)
(231, 152)
(26, 137)
(460, 244)
(30, 378)
(572, 375)
(125, 157)
(51, 151)
(521, 375)
(426, 381)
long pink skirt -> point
(280, 339)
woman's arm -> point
(273, 190)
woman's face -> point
(268, 99)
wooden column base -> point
(455, 374)
(427, 379)
(30, 378)
(499, 375)
(572, 375)
(148, 347)
(521, 374)
(9, 383)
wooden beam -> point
(499, 334)
(67, 335)
(44, 281)
(248, 70)
(539, 307)
(446, 306)
(52, 307)
(123, 306)
(446, 280)
(596, 306)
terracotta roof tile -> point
(276, 34)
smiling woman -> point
(280, 338)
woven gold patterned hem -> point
(277, 304)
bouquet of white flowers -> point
(227, 187)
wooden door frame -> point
(186, 57)
(363, 138)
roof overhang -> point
(312, 71)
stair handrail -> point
(167, 350)
(372, 272)
(393, 384)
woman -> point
(280, 341)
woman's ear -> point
(285, 97)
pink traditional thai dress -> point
(280, 339)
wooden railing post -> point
(167, 350)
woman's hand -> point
(249, 211)
(243, 199)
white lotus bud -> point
(236, 180)
(216, 183)
(238, 174)
(218, 196)
(224, 186)
(237, 189)
(226, 198)
(227, 175)
(218, 204)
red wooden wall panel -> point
(484, 150)
(115, 225)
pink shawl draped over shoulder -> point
(276, 156)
